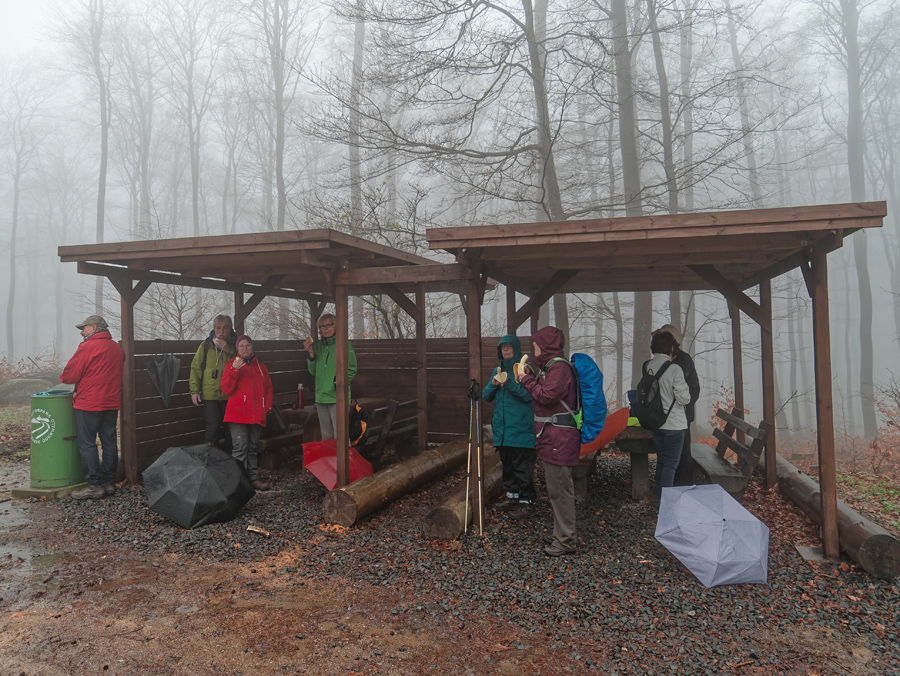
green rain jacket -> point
(322, 367)
(202, 381)
(513, 408)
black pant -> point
(684, 473)
(214, 413)
(518, 471)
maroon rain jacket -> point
(555, 383)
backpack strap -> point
(657, 376)
(566, 419)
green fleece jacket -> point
(202, 381)
(322, 367)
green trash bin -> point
(55, 460)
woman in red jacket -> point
(246, 382)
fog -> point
(125, 119)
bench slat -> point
(740, 424)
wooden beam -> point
(436, 272)
(831, 242)
(421, 371)
(737, 361)
(818, 276)
(258, 297)
(239, 312)
(710, 224)
(128, 292)
(767, 349)
(542, 295)
(732, 293)
(103, 270)
(409, 307)
(506, 279)
(128, 430)
(510, 310)
(342, 385)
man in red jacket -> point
(558, 440)
(96, 372)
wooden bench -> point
(398, 423)
(712, 465)
(582, 472)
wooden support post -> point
(737, 358)
(129, 297)
(817, 284)
(341, 384)
(421, 370)
(476, 462)
(768, 380)
(239, 312)
(511, 326)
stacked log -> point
(345, 506)
(450, 517)
(867, 543)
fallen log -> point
(450, 517)
(867, 543)
(345, 506)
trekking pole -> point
(479, 464)
(469, 456)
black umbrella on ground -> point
(196, 485)
(163, 369)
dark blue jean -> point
(92, 424)
(668, 445)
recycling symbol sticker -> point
(43, 425)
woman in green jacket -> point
(321, 364)
(513, 424)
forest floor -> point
(108, 586)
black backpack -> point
(648, 406)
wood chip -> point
(257, 529)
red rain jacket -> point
(555, 445)
(96, 372)
(249, 391)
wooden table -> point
(638, 443)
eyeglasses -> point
(326, 326)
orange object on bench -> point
(614, 424)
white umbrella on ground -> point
(713, 535)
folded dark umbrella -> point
(163, 369)
(196, 485)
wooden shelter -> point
(729, 252)
(315, 266)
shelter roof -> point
(293, 264)
(656, 253)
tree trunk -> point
(96, 27)
(345, 506)
(749, 151)
(868, 544)
(451, 517)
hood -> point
(516, 346)
(551, 341)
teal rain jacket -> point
(513, 409)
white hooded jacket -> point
(672, 385)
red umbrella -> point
(320, 458)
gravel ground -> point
(623, 604)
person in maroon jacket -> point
(246, 381)
(558, 440)
(96, 372)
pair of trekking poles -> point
(475, 415)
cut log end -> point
(880, 555)
(442, 524)
(339, 508)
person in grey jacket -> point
(669, 438)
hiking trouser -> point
(90, 425)
(561, 490)
(684, 473)
(327, 420)
(518, 471)
(213, 414)
(244, 440)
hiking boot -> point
(524, 511)
(260, 485)
(92, 492)
(506, 504)
(548, 538)
(556, 550)
(108, 489)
